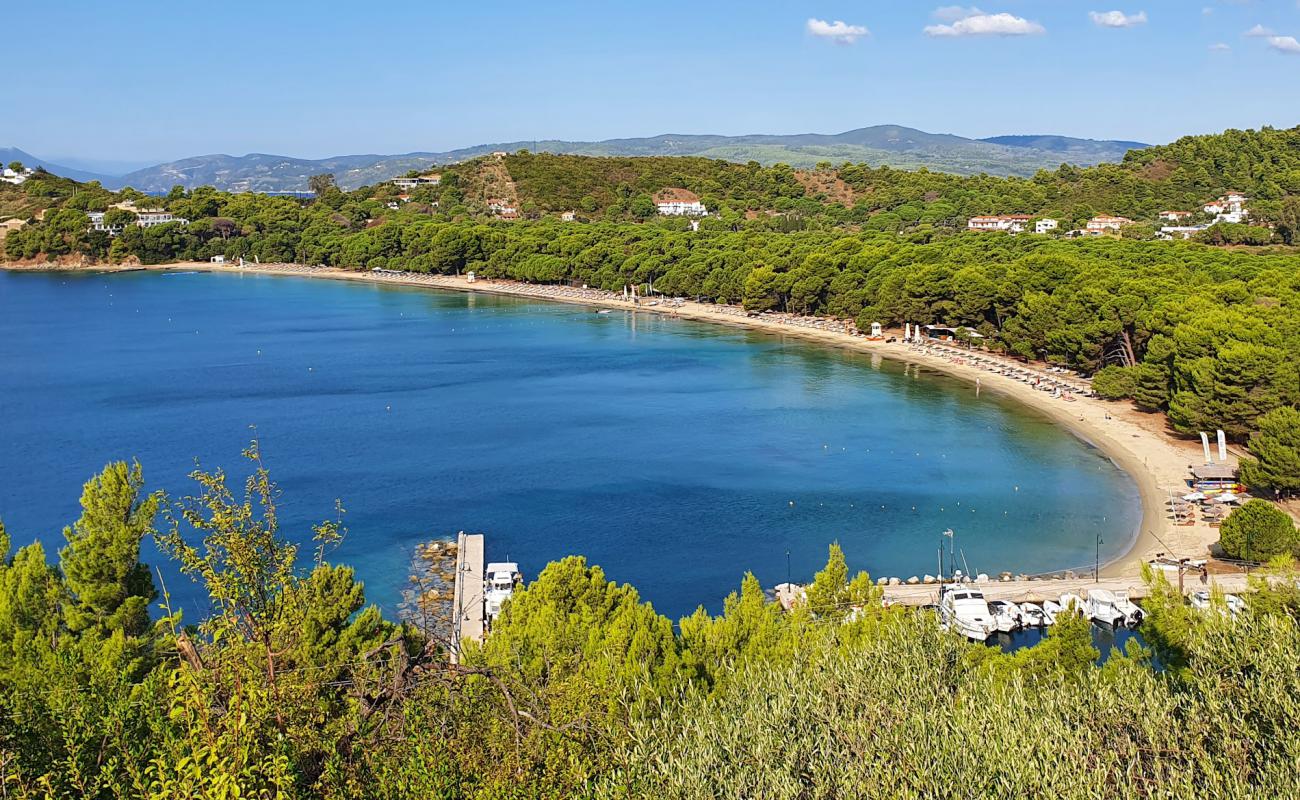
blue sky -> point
(148, 81)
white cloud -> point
(1285, 44)
(987, 25)
(1259, 30)
(1219, 47)
(1117, 19)
(837, 31)
(954, 13)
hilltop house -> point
(15, 177)
(143, 219)
(97, 224)
(568, 216)
(417, 182)
(1230, 208)
(679, 203)
(1014, 223)
(1046, 225)
(1107, 224)
(148, 219)
(1174, 216)
(502, 208)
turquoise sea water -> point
(676, 455)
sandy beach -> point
(1136, 442)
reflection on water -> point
(1105, 638)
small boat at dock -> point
(1133, 615)
(964, 609)
(1006, 616)
(499, 581)
(1073, 602)
(1050, 609)
(1101, 608)
(1032, 616)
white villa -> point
(1108, 224)
(1230, 208)
(679, 203)
(502, 208)
(1014, 223)
(10, 176)
(1174, 216)
(148, 219)
(1046, 225)
(143, 219)
(417, 182)
(1180, 231)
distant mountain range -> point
(8, 155)
(891, 145)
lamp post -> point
(787, 567)
(1096, 564)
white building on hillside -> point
(1105, 224)
(1180, 231)
(674, 202)
(10, 176)
(1015, 223)
(417, 182)
(679, 208)
(148, 219)
(1046, 225)
(97, 223)
(1229, 208)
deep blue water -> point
(677, 455)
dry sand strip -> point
(1136, 442)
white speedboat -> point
(1006, 616)
(1133, 615)
(1203, 601)
(963, 609)
(1050, 609)
(1101, 608)
(1032, 615)
(1073, 602)
(499, 583)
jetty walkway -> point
(468, 614)
(1050, 589)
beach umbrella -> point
(1194, 496)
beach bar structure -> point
(1214, 478)
(468, 614)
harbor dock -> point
(468, 614)
(1050, 589)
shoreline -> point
(1135, 442)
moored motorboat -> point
(1032, 615)
(1073, 602)
(1050, 609)
(1204, 601)
(1006, 615)
(964, 610)
(499, 580)
(1101, 608)
(1133, 615)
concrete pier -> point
(468, 614)
(1038, 591)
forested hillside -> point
(1206, 334)
(293, 687)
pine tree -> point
(109, 588)
(1276, 447)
